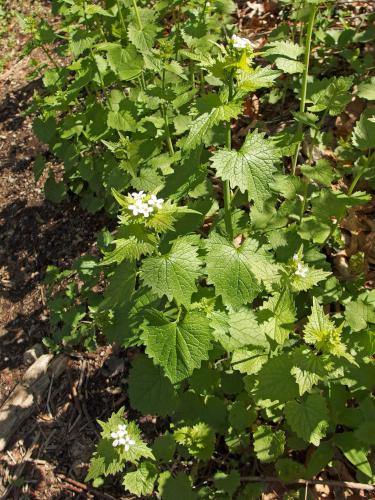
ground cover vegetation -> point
(249, 350)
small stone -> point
(33, 354)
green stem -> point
(121, 16)
(305, 75)
(166, 122)
(135, 6)
(226, 186)
(51, 59)
(354, 183)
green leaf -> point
(121, 287)
(164, 447)
(121, 120)
(363, 136)
(38, 167)
(275, 380)
(289, 470)
(141, 482)
(179, 347)
(308, 369)
(149, 390)
(143, 37)
(354, 452)
(289, 66)
(80, 41)
(228, 483)
(334, 96)
(366, 89)
(199, 440)
(241, 415)
(321, 332)
(358, 314)
(244, 329)
(268, 443)
(321, 172)
(126, 63)
(229, 269)
(284, 48)
(251, 168)
(319, 459)
(257, 78)
(206, 121)
(173, 274)
(249, 361)
(277, 316)
(308, 419)
(54, 191)
(179, 487)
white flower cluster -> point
(301, 270)
(241, 43)
(121, 437)
(144, 206)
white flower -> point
(122, 438)
(154, 201)
(295, 257)
(138, 196)
(241, 43)
(143, 207)
(301, 270)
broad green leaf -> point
(80, 41)
(228, 483)
(289, 470)
(164, 447)
(354, 452)
(199, 440)
(364, 131)
(229, 269)
(358, 314)
(309, 418)
(126, 63)
(54, 191)
(149, 390)
(256, 79)
(319, 459)
(121, 120)
(366, 89)
(308, 369)
(241, 415)
(277, 316)
(173, 274)
(244, 329)
(321, 172)
(249, 361)
(334, 96)
(284, 48)
(321, 332)
(179, 487)
(206, 121)
(289, 66)
(179, 347)
(141, 482)
(276, 383)
(143, 37)
(268, 443)
(251, 168)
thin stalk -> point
(135, 6)
(51, 59)
(354, 183)
(121, 16)
(166, 122)
(305, 75)
(226, 186)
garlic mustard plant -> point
(246, 343)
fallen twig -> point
(339, 484)
(21, 466)
(84, 487)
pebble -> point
(32, 354)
